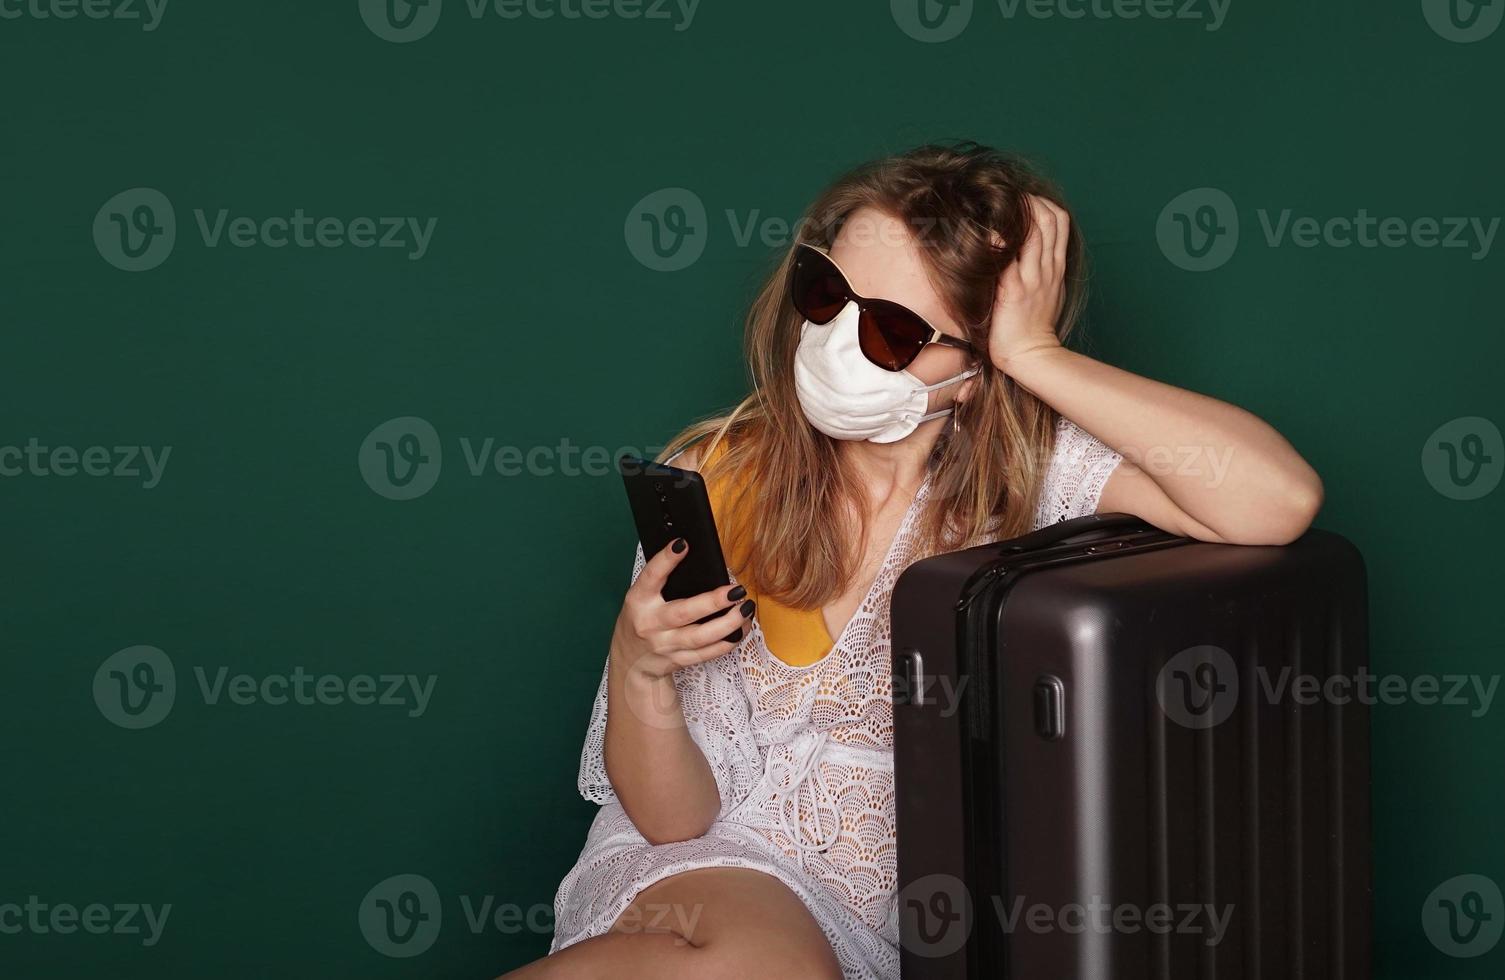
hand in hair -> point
(1031, 291)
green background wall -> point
(532, 319)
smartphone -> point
(668, 503)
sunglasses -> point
(890, 335)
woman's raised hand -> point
(1031, 291)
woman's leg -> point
(707, 924)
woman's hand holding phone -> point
(654, 637)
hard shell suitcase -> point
(1111, 763)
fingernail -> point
(747, 609)
(679, 546)
(736, 594)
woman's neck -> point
(893, 468)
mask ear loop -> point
(949, 409)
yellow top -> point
(798, 637)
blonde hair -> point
(791, 520)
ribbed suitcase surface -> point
(1121, 755)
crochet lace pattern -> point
(803, 758)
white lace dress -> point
(803, 757)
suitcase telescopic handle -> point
(1078, 528)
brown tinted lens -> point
(890, 335)
(817, 287)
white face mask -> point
(847, 396)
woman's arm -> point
(1192, 464)
(658, 773)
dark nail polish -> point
(679, 546)
(747, 609)
(736, 594)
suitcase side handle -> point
(1064, 532)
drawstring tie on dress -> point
(801, 781)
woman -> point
(911, 395)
